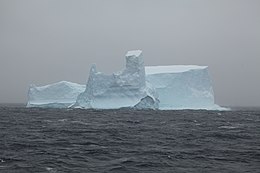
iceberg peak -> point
(133, 53)
(93, 68)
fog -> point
(45, 41)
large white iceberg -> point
(58, 95)
(182, 86)
(137, 86)
(127, 88)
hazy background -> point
(45, 41)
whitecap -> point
(227, 127)
(50, 169)
(63, 120)
(79, 122)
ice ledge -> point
(172, 69)
(214, 107)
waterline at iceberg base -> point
(139, 87)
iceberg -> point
(126, 88)
(136, 86)
(58, 95)
(182, 86)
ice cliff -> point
(136, 86)
(127, 88)
(182, 86)
(58, 95)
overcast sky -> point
(45, 41)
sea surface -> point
(72, 140)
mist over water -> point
(46, 41)
(73, 140)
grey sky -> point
(45, 41)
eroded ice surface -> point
(58, 95)
(127, 88)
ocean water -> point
(67, 140)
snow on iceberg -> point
(58, 95)
(182, 87)
(127, 88)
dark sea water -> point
(60, 140)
